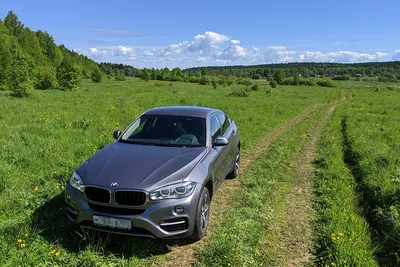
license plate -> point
(112, 222)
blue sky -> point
(201, 33)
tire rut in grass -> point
(183, 254)
(293, 230)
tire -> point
(202, 215)
(236, 165)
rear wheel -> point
(236, 167)
(202, 215)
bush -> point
(97, 76)
(308, 82)
(326, 83)
(108, 76)
(273, 84)
(204, 80)
(170, 84)
(194, 79)
(268, 91)
(158, 84)
(214, 84)
(244, 81)
(45, 78)
(241, 93)
(68, 76)
(4, 87)
(257, 76)
(24, 89)
(120, 77)
(254, 87)
(345, 77)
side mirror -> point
(116, 134)
(220, 141)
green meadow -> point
(356, 181)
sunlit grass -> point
(43, 139)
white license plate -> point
(112, 222)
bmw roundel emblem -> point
(114, 184)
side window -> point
(224, 122)
(214, 127)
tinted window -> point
(214, 127)
(224, 122)
(167, 130)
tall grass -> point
(44, 138)
(342, 236)
(373, 133)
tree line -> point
(386, 71)
(31, 60)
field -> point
(324, 157)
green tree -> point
(145, 74)
(97, 76)
(45, 78)
(296, 79)
(21, 71)
(204, 72)
(12, 23)
(273, 84)
(120, 77)
(280, 76)
(69, 76)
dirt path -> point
(293, 234)
(183, 255)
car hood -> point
(139, 166)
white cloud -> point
(396, 56)
(277, 54)
(211, 48)
(340, 56)
(207, 41)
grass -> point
(247, 237)
(44, 138)
(372, 129)
(342, 235)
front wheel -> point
(202, 215)
(236, 167)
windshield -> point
(167, 130)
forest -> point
(31, 60)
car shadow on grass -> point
(51, 222)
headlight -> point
(77, 183)
(174, 191)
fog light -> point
(179, 209)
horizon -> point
(190, 35)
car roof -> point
(191, 111)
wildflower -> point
(340, 234)
(19, 241)
(345, 262)
(53, 251)
(57, 187)
(26, 235)
(62, 187)
(333, 238)
(36, 188)
(57, 253)
(22, 245)
(333, 234)
(240, 230)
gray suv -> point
(159, 176)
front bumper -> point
(156, 219)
